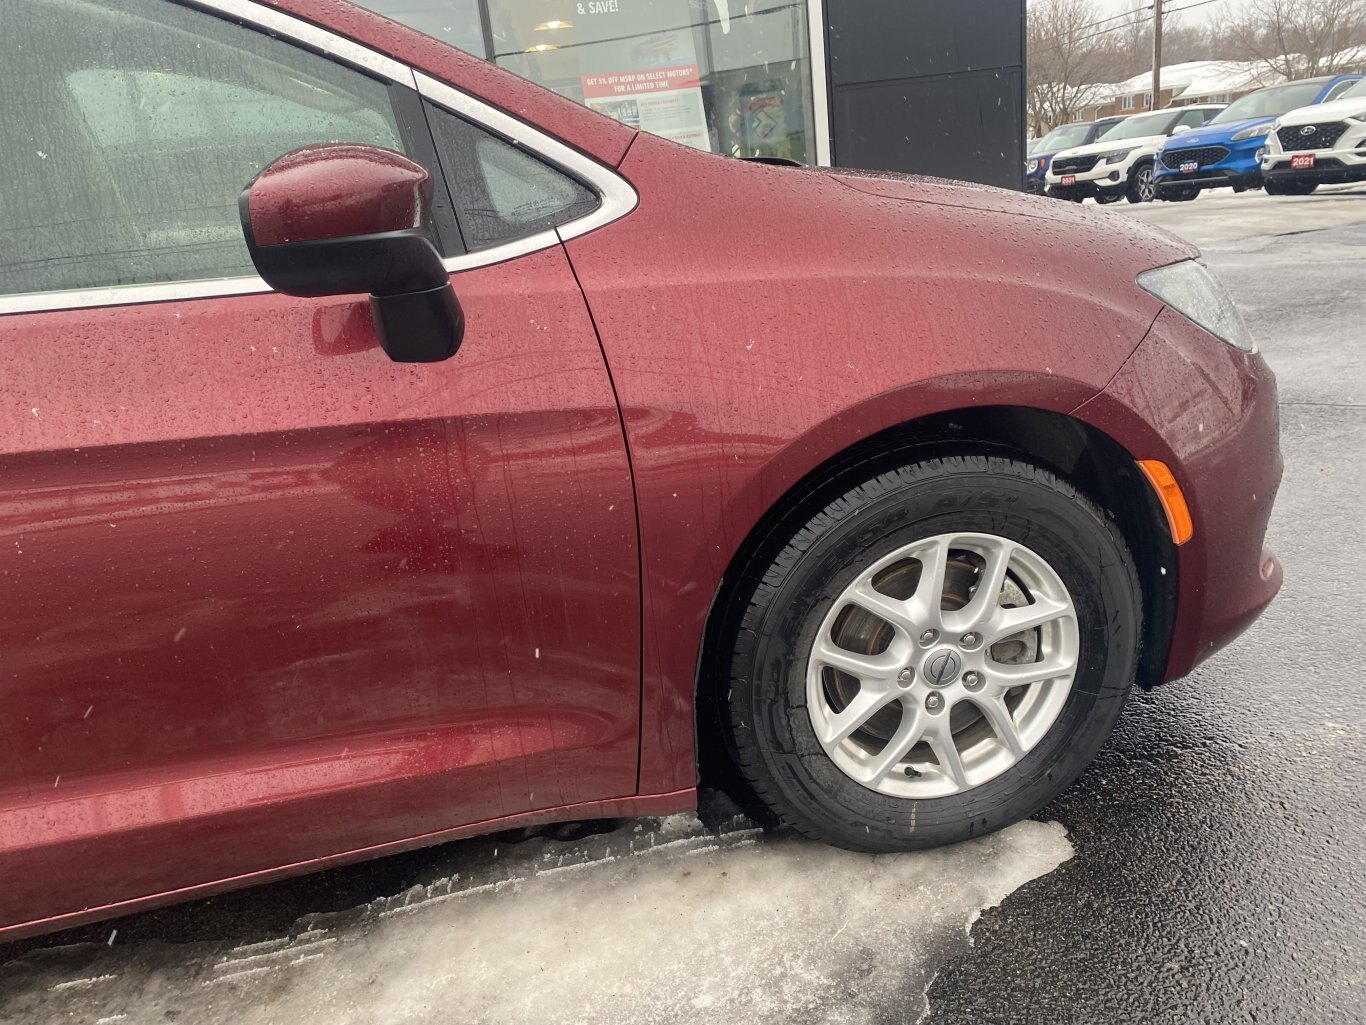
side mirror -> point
(341, 218)
(1181, 128)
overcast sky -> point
(1219, 7)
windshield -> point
(1142, 125)
(1357, 92)
(1273, 102)
(1063, 138)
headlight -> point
(1116, 156)
(1192, 291)
(1360, 119)
(1259, 132)
(1032, 166)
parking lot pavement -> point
(1221, 836)
(655, 922)
(1222, 217)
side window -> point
(502, 193)
(1338, 90)
(142, 122)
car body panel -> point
(376, 615)
(1240, 167)
(741, 406)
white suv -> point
(1313, 146)
(1120, 163)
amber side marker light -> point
(1169, 494)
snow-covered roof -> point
(1193, 79)
(1352, 57)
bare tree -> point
(1067, 50)
(1299, 38)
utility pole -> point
(1157, 53)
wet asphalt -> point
(1219, 840)
(1220, 873)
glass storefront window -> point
(729, 76)
(452, 21)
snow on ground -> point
(657, 922)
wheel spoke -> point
(841, 726)
(865, 667)
(1006, 677)
(950, 763)
(986, 601)
(1008, 622)
(891, 610)
(1002, 724)
(927, 602)
(908, 734)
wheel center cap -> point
(943, 667)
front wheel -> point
(1141, 187)
(935, 655)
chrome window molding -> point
(130, 295)
(289, 27)
(618, 197)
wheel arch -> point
(1088, 458)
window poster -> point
(656, 87)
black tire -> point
(1290, 188)
(1141, 188)
(771, 735)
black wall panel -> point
(929, 86)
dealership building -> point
(924, 86)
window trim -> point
(618, 197)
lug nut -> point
(905, 677)
(929, 637)
(933, 702)
(969, 640)
(972, 680)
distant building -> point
(1182, 84)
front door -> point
(268, 596)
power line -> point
(1143, 19)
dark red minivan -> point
(392, 450)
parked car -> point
(393, 450)
(1119, 164)
(1314, 145)
(1079, 133)
(1227, 153)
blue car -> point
(1041, 154)
(1227, 152)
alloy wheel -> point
(942, 665)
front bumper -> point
(1241, 167)
(1173, 182)
(1331, 167)
(1088, 189)
(1210, 412)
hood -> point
(1335, 111)
(1053, 221)
(1217, 134)
(1110, 145)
